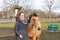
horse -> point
(34, 27)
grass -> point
(44, 25)
(7, 25)
(44, 35)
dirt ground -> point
(6, 31)
(45, 35)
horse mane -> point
(34, 14)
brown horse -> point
(34, 27)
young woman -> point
(21, 27)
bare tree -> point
(50, 6)
(9, 5)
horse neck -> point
(30, 27)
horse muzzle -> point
(39, 29)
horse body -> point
(34, 28)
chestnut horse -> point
(34, 27)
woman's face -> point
(22, 15)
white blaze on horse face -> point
(16, 11)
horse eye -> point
(34, 26)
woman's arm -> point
(16, 28)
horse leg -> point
(34, 38)
(38, 38)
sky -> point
(1, 2)
(37, 4)
(41, 4)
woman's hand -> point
(21, 36)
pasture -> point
(44, 25)
(8, 32)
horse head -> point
(34, 22)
